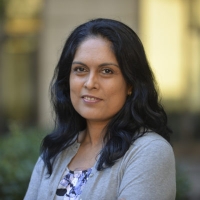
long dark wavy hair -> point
(142, 108)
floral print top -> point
(71, 184)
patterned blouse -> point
(71, 184)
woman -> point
(111, 139)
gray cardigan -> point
(145, 172)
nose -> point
(91, 81)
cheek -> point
(74, 85)
(119, 88)
(118, 93)
(73, 91)
(74, 100)
(73, 95)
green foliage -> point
(182, 184)
(2, 8)
(19, 151)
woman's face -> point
(97, 87)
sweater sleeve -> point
(149, 173)
(34, 184)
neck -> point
(93, 134)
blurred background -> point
(32, 34)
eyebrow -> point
(101, 65)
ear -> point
(130, 90)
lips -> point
(91, 99)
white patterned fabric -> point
(71, 185)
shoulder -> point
(150, 147)
(151, 140)
(39, 164)
(148, 167)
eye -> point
(79, 69)
(107, 71)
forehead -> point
(95, 47)
(93, 41)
